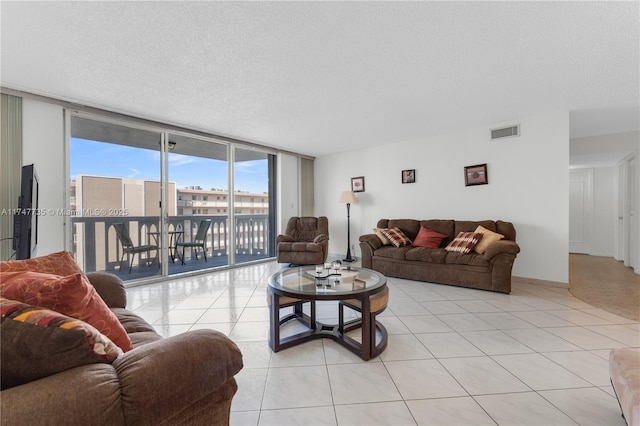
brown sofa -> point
(183, 379)
(488, 271)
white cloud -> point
(180, 160)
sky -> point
(106, 159)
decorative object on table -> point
(476, 175)
(336, 265)
(409, 176)
(357, 184)
(349, 197)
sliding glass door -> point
(253, 213)
(199, 170)
(147, 202)
(115, 198)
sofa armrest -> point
(368, 244)
(372, 240)
(71, 397)
(321, 238)
(167, 376)
(110, 288)
(502, 246)
(284, 238)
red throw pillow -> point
(61, 264)
(428, 238)
(72, 295)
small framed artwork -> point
(409, 176)
(476, 175)
(357, 184)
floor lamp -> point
(348, 197)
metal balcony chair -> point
(200, 240)
(128, 248)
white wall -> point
(605, 211)
(602, 150)
(44, 146)
(528, 185)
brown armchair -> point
(305, 241)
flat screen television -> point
(25, 222)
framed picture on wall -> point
(409, 176)
(476, 175)
(357, 184)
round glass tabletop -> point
(305, 283)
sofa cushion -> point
(470, 226)
(464, 242)
(472, 259)
(428, 238)
(37, 343)
(409, 227)
(70, 295)
(300, 246)
(396, 236)
(394, 252)
(488, 237)
(425, 254)
(443, 226)
(507, 229)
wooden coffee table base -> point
(328, 331)
(359, 289)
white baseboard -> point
(535, 281)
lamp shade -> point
(348, 197)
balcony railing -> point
(97, 247)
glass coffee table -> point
(350, 285)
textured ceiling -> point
(322, 77)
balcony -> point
(97, 248)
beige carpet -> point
(606, 284)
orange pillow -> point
(71, 295)
(428, 238)
(488, 237)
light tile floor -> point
(455, 356)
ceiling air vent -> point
(505, 132)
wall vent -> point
(505, 132)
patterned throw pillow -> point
(70, 295)
(384, 240)
(396, 236)
(37, 343)
(488, 237)
(428, 238)
(464, 242)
